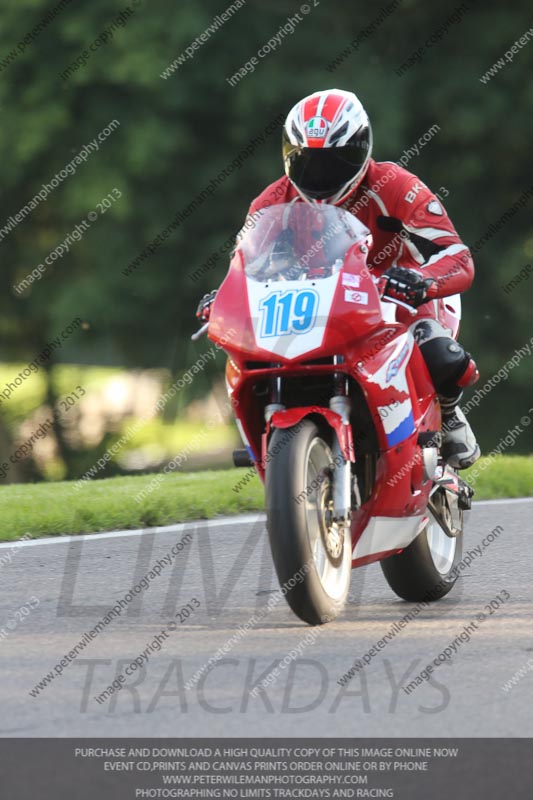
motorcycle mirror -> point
(200, 332)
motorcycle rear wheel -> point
(425, 571)
(312, 556)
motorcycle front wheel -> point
(312, 555)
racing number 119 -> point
(288, 312)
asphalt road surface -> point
(221, 575)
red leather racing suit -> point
(410, 228)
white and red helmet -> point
(327, 144)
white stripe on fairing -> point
(390, 533)
(429, 233)
(395, 415)
(386, 533)
(453, 301)
(398, 381)
(449, 251)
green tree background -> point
(176, 134)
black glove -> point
(203, 312)
(404, 284)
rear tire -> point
(424, 571)
(313, 559)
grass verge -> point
(51, 509)
(48, 509)
(501, 477)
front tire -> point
(424, 571)
(312, 556)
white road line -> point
(503, 502)
(181, 527)
(246, 519)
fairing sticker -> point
(397, 419)
(290, 317)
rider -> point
(327, 148)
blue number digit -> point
(291, 312)
(269, 319)
(304, 311)
(285, 302)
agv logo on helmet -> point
(316, 128)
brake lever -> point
(413, 312)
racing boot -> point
(459, 447)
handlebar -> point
(413, 312)
(199, 333)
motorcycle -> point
(337, 412)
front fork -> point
(342, 472)
(340, 404)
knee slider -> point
(446, 361)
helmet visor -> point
(322, 172)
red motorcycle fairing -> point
(400, 490)
(380, 356)
(292, 416)
(341, 326)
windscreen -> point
(298, 241)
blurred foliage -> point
(176, 135)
